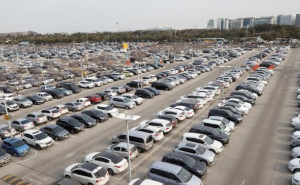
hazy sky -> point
(48, 16)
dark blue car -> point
(15, 146)
(152, 89)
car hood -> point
(62, 133)
(4, 156)
(194, 180)
(208, 155)
(296, 150)
(295, 162)
(217, 144)
(46, 140)
(200, 166)
(296, 120)
(23, 147)
(69, 168)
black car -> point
(226, 114)
(294, 143)
(144, 93)
(232, 109)
(170, 118)
(211, 132)
(85, 119)
(190, 164)
(114, 77)
(242, 98)
(243, 93)
(249, 88)
(55, 93)
(135, 84)
(70, 124)
(135, 72)
(153, 90)
(187, 77)
(153, 65)
(7, 89)
(161, 85)
(103, 95)
(71, 87)
(55, 131)
(36, 100)
(159, 76)
(96, 114)
(190, 105)
(128, 88)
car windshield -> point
(63, 89)
(10, 103)
(184, 175)
(24, 100)
(134, 96)
(200, 150)
(100, 173)
(190, 161)
(208, 140)
(57, 129)
(55, 111)
(40, 136)
(109, 108)
(17, 144)
(222, 125)
(77, 104)
(126, 100)
(25, 122)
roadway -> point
(45, 166)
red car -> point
(94, 98)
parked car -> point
(6, 132)
(37, 118)
(66, 181)
(22, 124)
(87, 173)
(51, 113)
(121, 150)
(37, 138)
(45, 95)
(36, 100)
(65, 91)
(86, 84)
(70, 124)
(144, 93)
(107, 109)
(104, 96)
(4, 158)
(98, 115)
(57, 93)
(123, 102)
(74, 106)
(22, 102)
(15, 146)
(94, 98)
(56, 132)
(135, 98)
(211, 132)
(85, 119)
(113, 163)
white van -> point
(217, 125)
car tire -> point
(296, 170)
(139, 150)
(148, 97)
(126, 107)
(49, 118)
(212, 150)
(35, 123)
(73, 109)
(204, 162)
(109, 114)
(22, 106)
(38, 147)
(110, 171)
(166, 88)
(67, 176)
(15, 154)
(72, 131)
(98, 120)
(56, 138)
(112, 105)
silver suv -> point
(123, 102)
(51, 113)
(37, 118)
(22, 102)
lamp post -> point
(127, 117)
(7, 117)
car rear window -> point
(133, 149)
(169, 124)
(25, 121)
(55, 111)
(100, 173)
(40, 116)
(149, 139)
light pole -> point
(127, 117)
(7, 117)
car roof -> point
(89, 166)
(194, 135)
(166, 166)
(124, 145)
(33, 132)
(21, 119)
(11, 139)
(51, 126)
(176, 155)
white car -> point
(239, 107)
(294, 165)
(189, 113)
(156, 132)
(109, 80)
(45, 95)
(248, 105)
(63, 109)
(86, 102)
(254, 94)
(201, 96)
(296, 179)
(86, 84)
(36, 138)
(201, 90)
(144, 182)
(111, 162)
(228, 123)
(204, 141)
(135, 98)
(296, 135)
(7, 97)
(111, 92)
(87, 173)
(107, 109)
(177, 113)
(165, 125)
(296, 120)
(295, 152)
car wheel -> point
(296, 170)
(139, 150)
(73, 109)
(49, 118)
(148, 97)
(73, 131)
(38, 147)
(110, 171)
(15, 154)
(98, 120)
(67, 176)
(22, 106)
(126, 107)
(20, 129)
(56, 138)
(109, 114)
(90, 184)
(112, 105)
(204, 162)
(166, 88)
(35, 123)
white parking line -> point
(72, 136)
(36, 182)
(37, 176)
(243, 182)
(56, 143)
(86, 130)
(29, 158)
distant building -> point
(297, 21)
(264, 20)
(160, 28)
(236, 23)
(248, 22)
(223, 23)
(286, 19)
(212, 24)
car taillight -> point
(98, 180)
(24, 126)
(118, 166)
(6, 133)
(38, 119)
(52, 114)
(78, 107)
(167, 128)
(130, 154)
(189, 112)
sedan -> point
(121, 150)
(98, 115)
(55, 131)
(85, 119)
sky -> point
(55, 16)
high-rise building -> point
(286, 19)
(248, 22)
(236, 23)
(264, 20)
(297, 21)
(223, 23)
(212, 24)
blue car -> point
(15, 146)
(152, 89)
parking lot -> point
(258, 152)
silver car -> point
(196, 151)
(23, 102)
(121, 150)
(37, 118)
(123, 102)
(5, 131)
(74, 106)
(22, 124)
